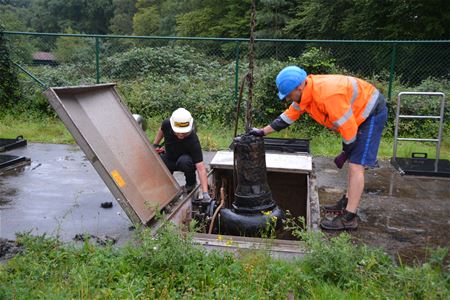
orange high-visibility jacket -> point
(338, 102)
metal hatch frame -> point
(117, 147)
(8, 162)
(8, 144)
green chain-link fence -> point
(158, 74)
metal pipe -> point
(249, 224)
(391, 70)
(418, 117)
(31, 75)
(97, 58)
(418, 140)
(397, 113)
(222, 201)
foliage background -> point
(307, 19)
(158, 75)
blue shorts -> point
(368, 139)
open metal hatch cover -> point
(8, 144)
(117, 148)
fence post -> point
(97, 60)
(236, 72)
(391, 70)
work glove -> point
(340, 159)
(159, 149)
(206, 197)
(256, 132)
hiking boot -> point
(346, 221)
(337, 208)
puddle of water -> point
(4, 202)
(374, 191)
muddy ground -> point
(404, 215)
(61, 194)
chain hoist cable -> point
(248, 78)
(250, 81)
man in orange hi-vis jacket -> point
(350, 106)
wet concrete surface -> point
(60, 194)
(404, 215)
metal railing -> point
(439, 118)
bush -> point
(9, 85)
(208, 100)
(161, 61)
(169, 265)
(75, 50)
(155, 81)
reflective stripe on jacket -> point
(338, 102)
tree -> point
(318, 19)
(370, 19)
(169, 10)
(195, 23)
(272, 17)
(15, 17)
(122, 22)
(74, 49)
(82, 16)
(146, 21)
(228, 18)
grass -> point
(213, 137)
(34, 129)
(170, 266)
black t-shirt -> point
(175, 147)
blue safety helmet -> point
(288, 79)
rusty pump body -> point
(253, 208)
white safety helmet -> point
(181, 121)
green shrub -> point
(33, 102)
(156, 80)
(75, 50)
(161, 61)
(208, 100)
(9, 84)
(169, 265)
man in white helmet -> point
(182, 149)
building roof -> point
(43, 56)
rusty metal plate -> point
(117, 148)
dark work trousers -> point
(184, 164)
